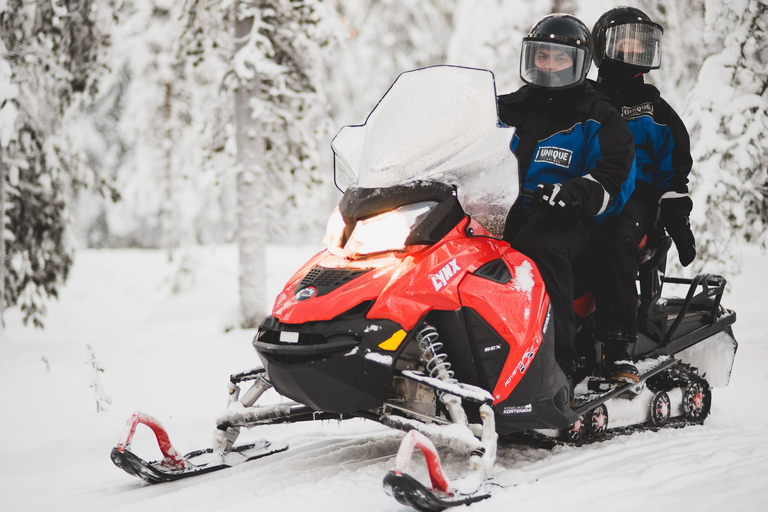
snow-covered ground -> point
(145, 334)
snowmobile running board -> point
(600, 396)
(174, 466)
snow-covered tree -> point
(383, 38)
(280, 109)
(150, 130)
(497, 47)
(49, 57)
(729, 110)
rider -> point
(627, 45)
(577, 154)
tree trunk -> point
(167, 212)
(2, 241)
(251, 232)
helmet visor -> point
(636, 44)
(552, 65)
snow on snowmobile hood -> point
(441, 124)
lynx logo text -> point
(445, 274)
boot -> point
(619, 364)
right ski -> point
(409, 491)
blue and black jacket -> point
(572, 134)
(662, 144)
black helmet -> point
(628, 37)
(556, 40)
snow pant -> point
(554, 242)
(617, 261)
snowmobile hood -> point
(403, 286)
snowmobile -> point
(417, 315)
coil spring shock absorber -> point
(438, 367)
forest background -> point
(172, 123)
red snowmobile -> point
(418, 316)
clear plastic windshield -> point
(440, 124)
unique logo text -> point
(555, 156)
(636, 111)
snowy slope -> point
(162, 334)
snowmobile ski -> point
(158, 471)
(443, 494)
(175, 467)
(409, 491)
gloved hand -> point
(675, 211)
(558, 196)
(578, 196)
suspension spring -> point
(435, 361)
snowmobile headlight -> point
(333, 232)
(387, 231)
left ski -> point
(160, 471)
(174, 466)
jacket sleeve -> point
(677, 157)
(611, 159)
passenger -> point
(627, 45)
(574, 151)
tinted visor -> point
(636, 44)
(552, 65)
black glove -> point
(581, 196)
(675, 211)
(558, 196)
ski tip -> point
(410, 492)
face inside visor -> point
(637, 44)
(552, 65)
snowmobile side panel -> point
(520, 336)
(541, 399)
(489, 349)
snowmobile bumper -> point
(334, 377)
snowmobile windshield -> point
(435, 124)
(636, 44)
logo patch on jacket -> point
(638, 110)
(555, 156)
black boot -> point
(618, 360)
